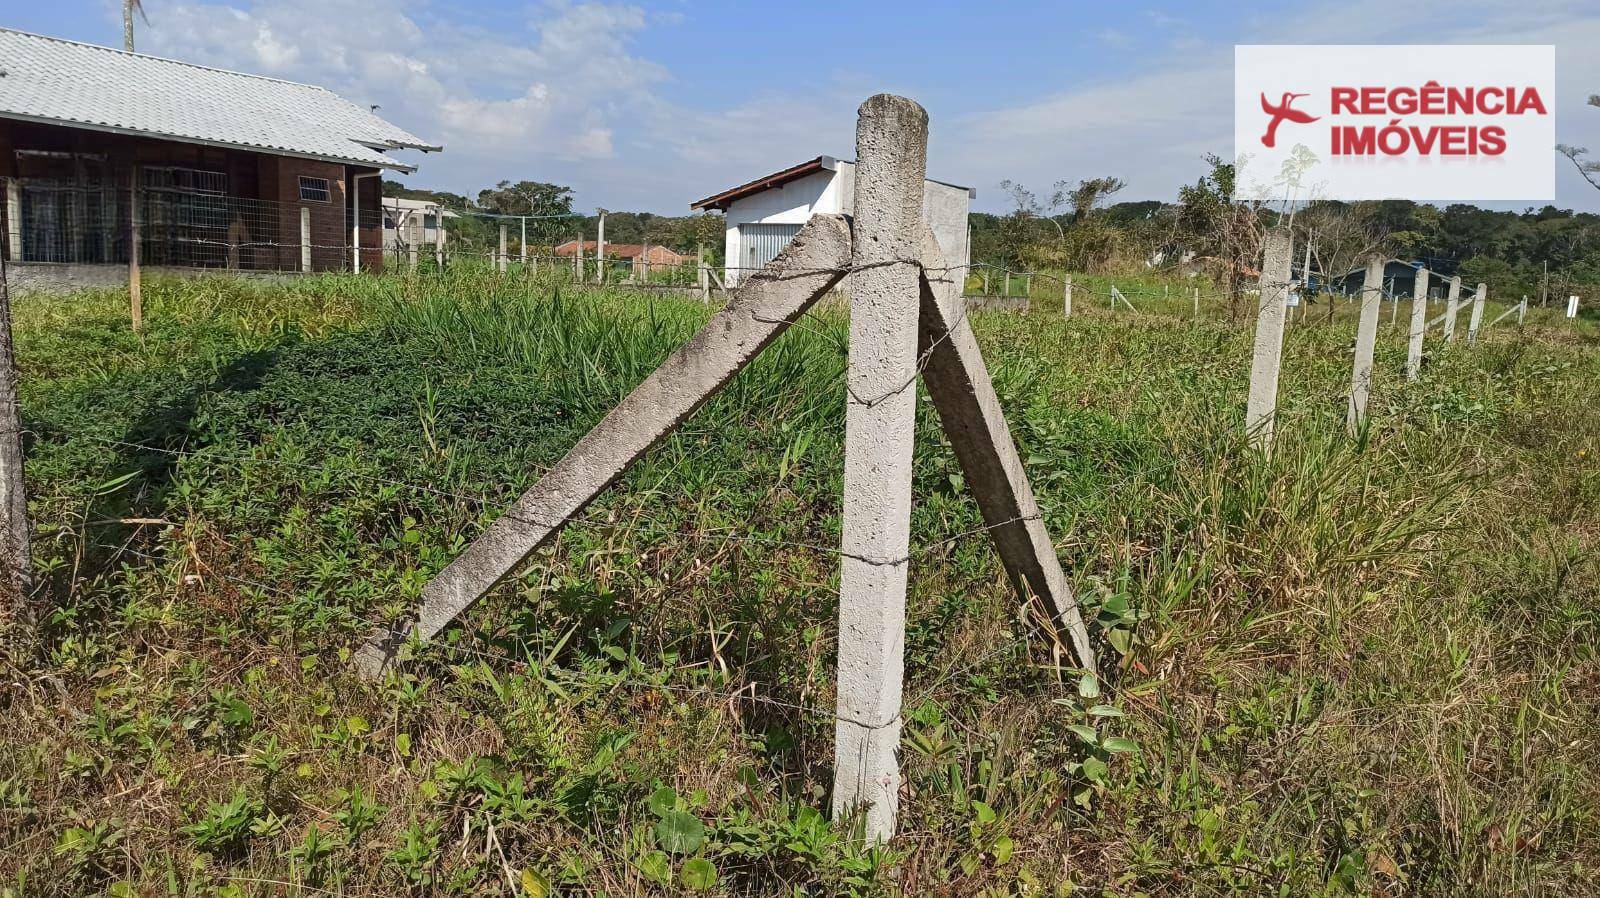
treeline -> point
(552, 220)
(1205, 231)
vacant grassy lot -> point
(1361, 667)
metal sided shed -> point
(764, 215)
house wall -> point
(263, 207)
(945, 207)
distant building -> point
(229, 170)
(408, 223)
(653, 254)
(1399, 280)
(764, 215)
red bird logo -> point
(1281, 112)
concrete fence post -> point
(1419, 325)
(1522, 309)
(1475, 321)
(135, 237)
(704, 281)
(1066, 297)
(600, 249)
(880, 418)
(522, 240)
(305, 238)
(1451, 308)
(1266, 357)
(500, 254)
(14, 538)
(438, 237)
(13, 245)
(1196, 302)
(1366, 340)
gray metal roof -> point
(46, 79)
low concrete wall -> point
(65, 277)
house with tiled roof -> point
(208, 167)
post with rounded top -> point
(880, 417)
(1366, 340)
(1267, 356)
(1419, 325)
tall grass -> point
(1353, 667)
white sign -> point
(1417, 122)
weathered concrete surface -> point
(1419, 325)
(958, 382)
(1451, 309)
(1366, 340)
(1266, 359)
(768, 303)
(1476, 320)
(880, 424)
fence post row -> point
(1266, 357)
(1366, 340)
(1419, 325)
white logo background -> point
(1302, 166)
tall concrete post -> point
(305, 238)
(438, 237)
(600, 250)
(13, 220)
(1451, 308)
(1197, 302)
(522, 240)
(1522, 309)
(880, 422)
(1366, 340)
(1066, 298)
(1419, 325)
(1475, 321)
(1266, 358)
(500, 255)
(135, 237)
(15, 534)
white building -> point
(765, 214)
(408, 223)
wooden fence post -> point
(1267, 356)
(1419, 325)
(1366, 340)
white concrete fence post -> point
(1266, 358)
(13, 245)
(1451, 309)
(1419, 325)
(500, 253)
(1475, 321)
(1197, 303)
(305, 238)
(880, 424)
(1522, 309)
(1066, 297)
(1366, 340)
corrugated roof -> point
(47, 79)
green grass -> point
(1357, 667)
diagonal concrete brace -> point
(764, 306)
(958, 382)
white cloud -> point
(547, 90)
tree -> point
(526, 198)
(1218, 227)
(1085, 197)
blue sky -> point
(652, 105)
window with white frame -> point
(314, 190)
